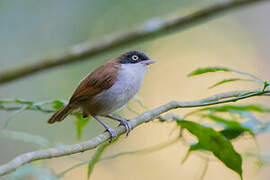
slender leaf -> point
(238, 109)
(57, 104)
(23, 102)
(229, 108)
(201, 71)
(80, 123)
(96, 157)
(224, 81)
(208, 70)
(227, 123)
(215, 142)
(255, 78)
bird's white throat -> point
(133, 73)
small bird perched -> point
(107, 89)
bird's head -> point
(134, 57)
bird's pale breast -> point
(129, 81)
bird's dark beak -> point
(148, 62)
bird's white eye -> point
(134, 57)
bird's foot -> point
(126, 124)
(122, 122)
(112, 133)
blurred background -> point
(32, 29)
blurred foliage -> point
(32, 170)
(97, 156)
(226, 123)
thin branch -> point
(204, 170)
(152, 28)
(17, 105)
(3, 108)
(145, 150)
(62, 174)
(140, 151)
(38, 106)
(145, 117)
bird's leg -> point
(108, 128)
(122, 122)
(85, 115)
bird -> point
(107, 89)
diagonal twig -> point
(152, 28)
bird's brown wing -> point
(96, 82)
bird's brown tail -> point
(60, 114)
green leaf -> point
(57, 104)
(227, 123)
(228, 108)
(232, 109)
(80, 123)
(96, 157)
(23, 102)
(32, 171)
(232, 133)
(200, 71)
(224, 81)
(215, 142)
(208, 70)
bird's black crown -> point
(133, 57)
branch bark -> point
(150, 29)
(145, 117)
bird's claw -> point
(112, 133)
(127, 126)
